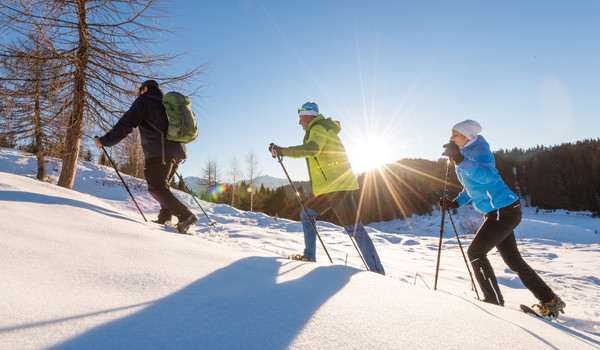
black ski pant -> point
(497, 231)
(158, 176)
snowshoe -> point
(300, 257)
(184, 226)
(526, 309)
(161, 222)
(551, 308)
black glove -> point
(450, 204)
(453, 152)
(275, 150)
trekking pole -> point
(280, 160)
(463, 254)
(437, 266)
(356, 247)
(212, 223)
(123, 181)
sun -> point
(370, 153)
(373, 141)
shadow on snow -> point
(239, 306)
(21, 196)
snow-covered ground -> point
(80, 269)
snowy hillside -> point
(80, 269)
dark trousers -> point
(342, 203)
(497, 231)
(344, 207)
(158, 176)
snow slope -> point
(80, 269)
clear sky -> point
(396, 74)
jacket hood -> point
(328, 123)
(477, 148)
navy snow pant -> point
(344, 207)
(497, 231)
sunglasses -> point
(303, 109)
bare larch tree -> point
(234, 173)
(252, 173)
(31, 93)
(107, 49)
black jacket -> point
(145, 112)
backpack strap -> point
(162, 134)
(162, 141)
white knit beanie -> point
(469, 128)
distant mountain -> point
(194, 182)
(269, 182)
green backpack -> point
(182, 123)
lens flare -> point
(215, 191)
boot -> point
(552, 308)
(184, 226)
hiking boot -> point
(300, 257)
(552, 308)
(160, 222)
(184, 226)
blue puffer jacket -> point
(482, 184)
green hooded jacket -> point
(326, 158)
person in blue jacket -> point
(484, 189)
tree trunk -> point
(39, 141)
(75, 126)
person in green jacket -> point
(332, 181)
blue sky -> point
(396, 74)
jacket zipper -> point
(490, 196)
(321, 169)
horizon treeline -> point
(565, 176)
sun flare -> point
(372, 147)
(370, 153)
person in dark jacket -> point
(162, 157)
(501, 209)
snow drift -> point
(80, 269)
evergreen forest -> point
(566, 176)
